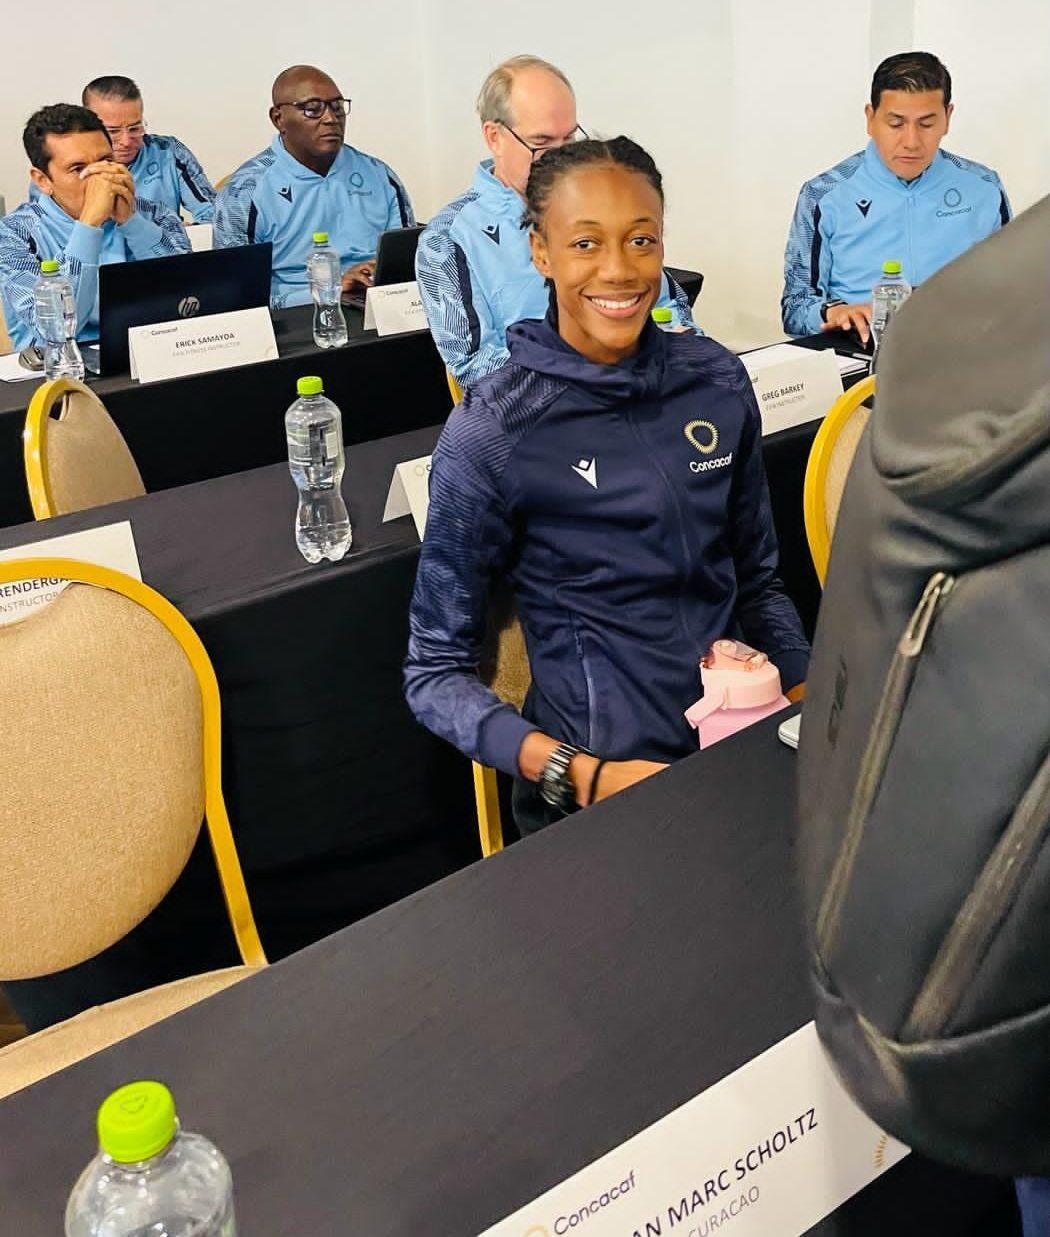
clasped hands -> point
(109, 194)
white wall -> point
(738, 100)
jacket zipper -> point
(880, 742)
(994, 892)
(588, 683)
(683, 538)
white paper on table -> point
(109, 545)
(767, 1152)
(12, 370)
(777, 354)
(409, 493)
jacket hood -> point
(536, 345)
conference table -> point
(436, 1066)
(207, 425)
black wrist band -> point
(594, 781)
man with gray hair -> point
(473, 263)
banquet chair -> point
(6, 346)
(75, 457)
(504, 668)
(110, 764)
(828, 466)
(454, 389)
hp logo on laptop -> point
(188, 306)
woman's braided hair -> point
(550, 167)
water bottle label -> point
(331, 445)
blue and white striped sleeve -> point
(235, 212)
(472, 341)
(807, 268)
(195, 189)
(20, 258)
(400, 205)
(154, 231)
(673, 297)
(466, 547)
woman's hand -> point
(617, 775)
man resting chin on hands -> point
(84, 214)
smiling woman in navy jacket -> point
(612, 473)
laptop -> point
(395, 262)
(215, 281)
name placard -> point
(794, 391)
(199, 345)
(767, 1152)
(111, 545)
(409, 493)
(395, 308)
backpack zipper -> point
(880, 741)
(994, 892)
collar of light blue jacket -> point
(63, 222)
(300, 171)
(880, 173)
(497, 197)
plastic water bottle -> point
(150, 1179)
(888, 296)
(56, 323)
(315, 459)
(663, 318)
(326, 286)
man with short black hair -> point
(164, 170)
(902, 198)
(85, 214)
(309, 180)
(473, 264)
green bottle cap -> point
(320, 238)
(891, 268)
(309, 386)
(49, 267)
(136, 1122)
(662, 314)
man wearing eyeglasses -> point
(163, 169)
(473, 263)
(309, 180)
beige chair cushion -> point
(88, 462)
(842, 453)
(504, 663)
(103, 785)
(37, 1056)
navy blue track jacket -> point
(627, 504)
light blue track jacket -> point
(476, 277)
(852, 218)
(41, 229)
(167, 172)
(273, 197)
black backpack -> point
(925, 752)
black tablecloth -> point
(440, 1064)
(191, 429)
(340, 802)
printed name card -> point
(793, 390)
(395, 308)
(767, 1152)
(111, 545)
(198, 345)
(409, 493)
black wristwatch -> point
(828, 305)
(556, 786)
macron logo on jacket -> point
(588, 470)
(852, 218)
(274, 197)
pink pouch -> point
(741, 686)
